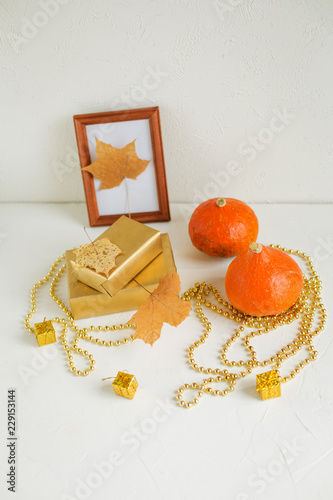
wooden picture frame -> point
(151, 202)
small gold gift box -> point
(125, 385)
(268, 385)
(44, 332)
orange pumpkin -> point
(263, 281)
(223, 227)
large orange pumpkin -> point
(263, 281)
(223, 227)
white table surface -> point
(77, 440)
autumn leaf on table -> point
(100, 255)
(114, 165)
(162, 306)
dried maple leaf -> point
(162, 306)
(113, 165)
(100, 255)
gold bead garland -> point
(304, 310)
(69, 323)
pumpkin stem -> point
(255, 247)
(220, 202)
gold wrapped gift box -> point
(268, 384)
(125, 385)
(86, 302)
(139, 244)
(44, 332)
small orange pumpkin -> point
(223, 227)
(263, 281)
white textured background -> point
(220, 72)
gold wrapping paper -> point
(86, 302)
(139, 244)
(125, 385)
(268, 385)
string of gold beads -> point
(307, 308)
(67, 323)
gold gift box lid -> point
(139, 244)
(86, 302)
